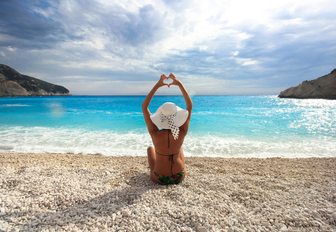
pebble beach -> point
(68, 192)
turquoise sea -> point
(225, 126)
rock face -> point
(322, 87)
(12, 83)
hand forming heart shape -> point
(168, 81)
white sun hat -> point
(168, 116)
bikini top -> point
(168, 147)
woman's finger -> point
(172, 76)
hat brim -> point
(180, 119)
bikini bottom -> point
(167, 180)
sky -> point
(229, 47)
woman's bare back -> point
(168, 152)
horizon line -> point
(137, 95)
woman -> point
(167, 128)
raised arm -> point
(150, 125)
(186, 96)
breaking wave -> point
(134, 143)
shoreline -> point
(187, 155)
(50, 191)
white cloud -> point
(11, 49)
(222, 43)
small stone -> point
(283, 228)
(201, 229)
(126, 213)
(166, 221)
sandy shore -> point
(53, 192)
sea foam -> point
(66, 140)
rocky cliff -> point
(12, 83)
(322, 87)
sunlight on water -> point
(318, 116)
(56, 109)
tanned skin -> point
(159, 163)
